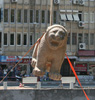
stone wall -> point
(47, 94)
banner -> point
(9, 58)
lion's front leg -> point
(55, 71)
(40, 67)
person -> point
(18, 70)
(23, 72)
(5, 73)
(1, 73)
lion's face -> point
(56, 37)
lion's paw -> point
(33, 62)
(38, 72)
(55, 76)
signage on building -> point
(26, 60)
(86, 53)
(9, 59)
(81, 67)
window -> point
(86, 38)
(25, 15)
(25, 39)
(30, 39)
(55, 17)
(74, 38)
(19, 16)
(92, 17)
(5, 38)
(5, 15)
(63, 16)
(48, 16)
(37, 16)
(92, 3)
(68, 41)
(12, 39)
(80, 15)
(86, 3)
(0, 39)
(44, 2)
(43, 16)
(18, 39)
(0, 14)
(69, 17)
(75, 17)
(86, 17)
(91, 39)
(12, 15)
(31, 16)
(80, 38)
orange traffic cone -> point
(20, 85)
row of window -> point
(28, 15)
(77, 16)
(82, 38)
(21, 40)
(22, 16)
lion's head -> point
(55, 36)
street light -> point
(51, 12)
(28, 70)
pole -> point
(34, 32)
(51, 12)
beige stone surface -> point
(15, 87)
(49, 52)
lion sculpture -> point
(48, 54)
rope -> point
(76, 76)
(22, 58)
(67, 59)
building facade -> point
(24, 21)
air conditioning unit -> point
(81, 24)
(75, 1)
(14, 0)
(82, 46)
(56, 2)
(92, 70)
(81, 2)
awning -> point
(72, 57)
(75, 16)
(69, 17)
(86, 59)
(26, 57)
(62, 11)
(63, 17)
(92, 65)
